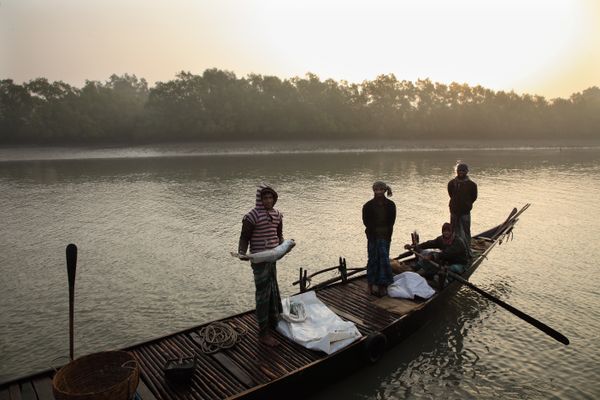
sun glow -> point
(550, 47)
(499, 44)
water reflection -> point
(428, 362)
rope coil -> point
(218, 336)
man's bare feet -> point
(370, 289)
(268, 340)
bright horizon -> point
(550, 48)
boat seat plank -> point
(43, 388)
(398, 306)
(348, 316)
(27, 391)
(144, 392)
(232, 367)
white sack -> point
(408, 284)
(322, 329)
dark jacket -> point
(379, 216)
(453, 253)
(463, 194)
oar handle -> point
(402, 255)
(528, 318)
(71, 267)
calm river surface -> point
(154, 228)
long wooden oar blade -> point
(71, 264)
(71, 269)
(525, 317)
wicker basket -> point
(108, 375)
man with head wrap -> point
(262, 228)
(463, 193)
(379, 216)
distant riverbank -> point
(233, 148)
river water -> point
(154, 228)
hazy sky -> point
(548, 47)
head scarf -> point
(384, 186)
(262, 189)
(260, 207)
(462, 167)
(448, 227)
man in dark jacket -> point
(463, 193)
(379, 216)
(453, 253)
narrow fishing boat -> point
(187, 365)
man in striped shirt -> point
(262, 229)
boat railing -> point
(344, 273)
(505, 230)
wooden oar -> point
(502, 225)
(71, 267)
(414, 237)
(402, 255)
(525, 317)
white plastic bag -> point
(293, 310)
(322, 329)
(408, 284)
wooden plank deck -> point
(232, 371)
(249, 364)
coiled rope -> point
(218, 336)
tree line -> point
(219, 106)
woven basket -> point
(108, 375)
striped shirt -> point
(264, 235)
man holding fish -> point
(262, 229)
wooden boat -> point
(249, 370)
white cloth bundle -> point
(408, 284)
(322, 329)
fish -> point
(270, 255)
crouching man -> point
(453, 255)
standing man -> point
(463, 193)
(379, 216)
(262, 228)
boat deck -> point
(230, 372)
